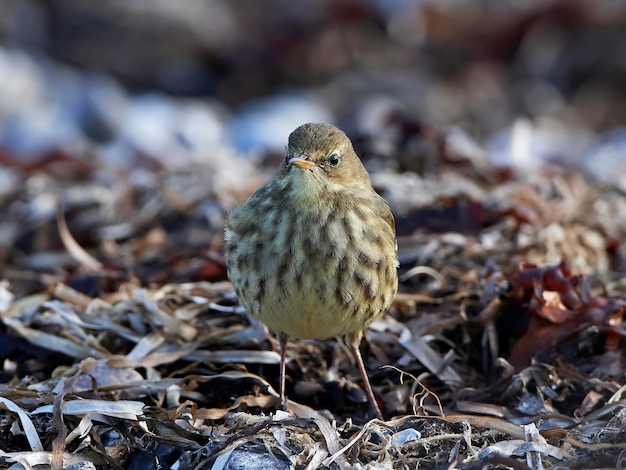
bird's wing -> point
(384, 211)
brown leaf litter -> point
(504, 348)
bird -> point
(313, 253)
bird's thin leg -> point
(355, 341)
(282, 340)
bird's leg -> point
(355, 341)
(282, 340)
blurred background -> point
(119, 93)
(175, 80)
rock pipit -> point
(313, 253)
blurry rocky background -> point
(129, 128)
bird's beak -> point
(301, 162)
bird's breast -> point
(317, 273)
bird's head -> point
(323, 153)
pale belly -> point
(308, 313)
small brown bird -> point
(313, 253)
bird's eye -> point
(333, 159)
